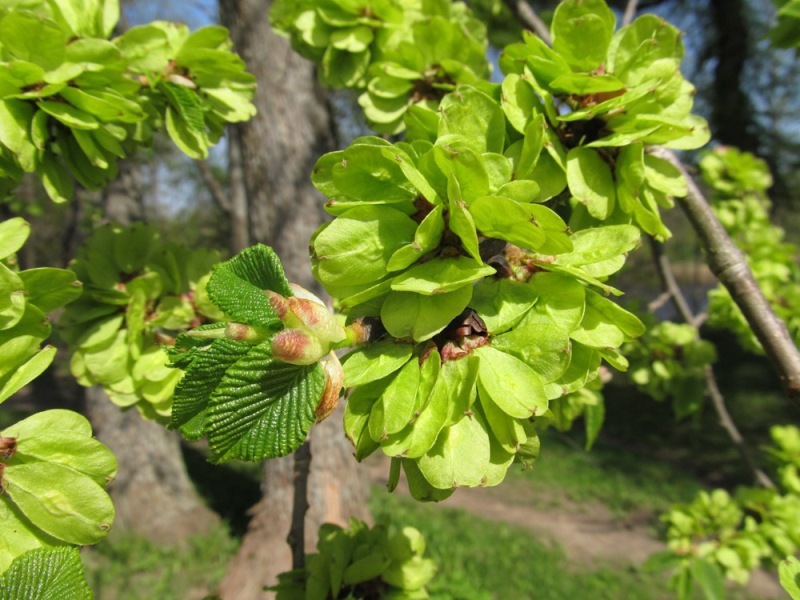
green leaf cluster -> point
(339, 35)
(587, 402)
(52, 472)
(52, 475)
(446, 239)
(25, 299)
(139, 293)
(668, 362)
(789, 572)
(735, 534)
(738, 182)
(606, 95)
(248, 403)
(398, 53)
(361, 562)
(73, 102)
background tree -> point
(292, 128)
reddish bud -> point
(8, 446)
(297, 347)
(278, 303)
(244, 333)
(334, 378)
(306, 311)
(359, 331)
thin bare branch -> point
(729, 265)
(213, 185)
(727, 423)
(630, 12)
(656, 304)
(297, 532)
(528, 18)
(671, 286)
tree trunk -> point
(732, 114)
(153, 495)
(278, 149)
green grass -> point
(622, 480)
(132, 568)
(483, 560)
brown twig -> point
(671, 287)
(729, 265)
(213, 185)
(630, 12)
(297, 532)
(528, 17)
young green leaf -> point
(237, 286)
(45, 573)
(262, 408)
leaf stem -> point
(297, 531)
(671, 287)
(729, 265)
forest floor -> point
(588, 533)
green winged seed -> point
(504, 218)
(507, 430)
(355, 249)
(19, 535)
(64, 503)
(510, 383)
(606, 324)
(471, 113)
(27, 372)
(13, 234)
(582, 31)
(502, 303)
(74, 450)
(357, 414)
(53, 420)
(374, 361)
(591, 182)
(459, 457)
(441, 275)
(420, 317)
(396, 404)
(419, 487)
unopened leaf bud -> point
(305, 310)
(317, 319)
(8, 446)
(245, 333)
(278, 304)
(297, 347)
(334, 378)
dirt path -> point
(588, 533)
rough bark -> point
(153, 495)
(276, 153)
